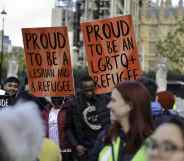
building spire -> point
(162, 9)
(180, 3)
(168, 3)
(157, 2)
(162, 4)
(144, 8)
(179, 10)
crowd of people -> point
(132, 123)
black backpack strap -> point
(119, 153)
(37, 159)
(113, 157)
(121, 145)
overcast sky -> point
(27, 13)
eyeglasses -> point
(165, 147)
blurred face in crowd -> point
(119, 109)
(88, 88)
(11, 88)
(166, 144)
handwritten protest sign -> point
(48, 61)
(111, 51)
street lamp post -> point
(3, 13)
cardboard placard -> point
(48, 61)
(111, 51)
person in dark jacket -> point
(58, 126)
(131, 123)
(151, 85)
(90, 116)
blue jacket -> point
(156, 108)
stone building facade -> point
(156, 20)
(152, 21)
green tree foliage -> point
(21, 61)
(19, 55)
(172, 47)
(6, 57)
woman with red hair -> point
(131, 118)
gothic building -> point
(70, 13)
(156, 20)
(152, 21)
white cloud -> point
(25, 13)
